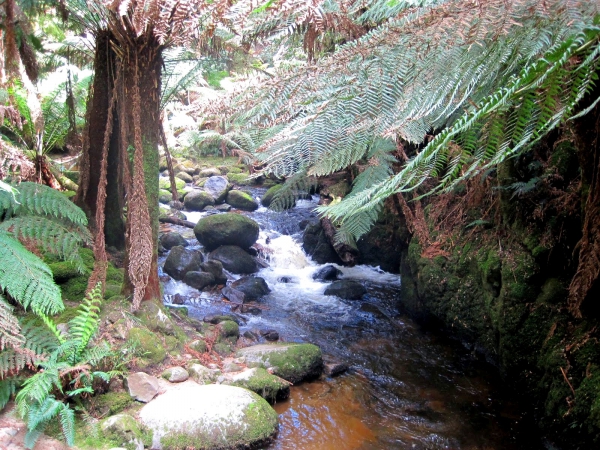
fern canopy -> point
(485, 80)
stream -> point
(406, 387)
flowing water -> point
(407, 388)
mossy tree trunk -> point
(119, 169)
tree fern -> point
(494, 78)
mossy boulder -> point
(122, 428)
(110, 403)
(292, 362)
(164, 183)
(234, 259)
(241, 200)
(267, 198)
(197, 200)
(185, 177)
(202, 374)
(209, 417)
(240, 179)
(209, 172)
(270, 387)
(170, 240)
(164, 196)
(149, 344)
(226, 229)
(217, 187)
(63, 271)
(181, 261)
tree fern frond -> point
(10, 331)
(294, 188)
(8, 388)
(42, 200)
(53, 236)
(27, 278)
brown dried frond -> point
(32, 68)
(10, 331)
(140, 238)
(13, 160)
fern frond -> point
(67, 424)
(52, 235)
(8, 388)
(27, 279)
(83, 326)
(294, 188)
(37, 389)
(37, 199)
(10, 331)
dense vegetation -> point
(474, 122)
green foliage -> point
(294, 187)
(65, 363)
(486, 88)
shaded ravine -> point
(406, 387)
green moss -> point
(553, 292)
(296, 360)
(110, 403)
(165, 184)
(149, 343)
(241, 179)
(111, 290)
(63, 271)
(164, 196)
(74, 289)
(229, 329)
(268, 386)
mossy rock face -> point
(292, 362)
(164, 196)
(149, 344)
(209, 417)
(241, 200)
(122, 428)
(110, 403)
(240, 179)
(63, 271)
(269, 387)
(164, 183)
(226, 229)
(197, 200)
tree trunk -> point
(119, 168)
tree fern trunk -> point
(134, 68)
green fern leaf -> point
(67, 424)
(26, 278)
(83, 326)
(7, 389)
(37, 199)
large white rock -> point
(207, 417)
